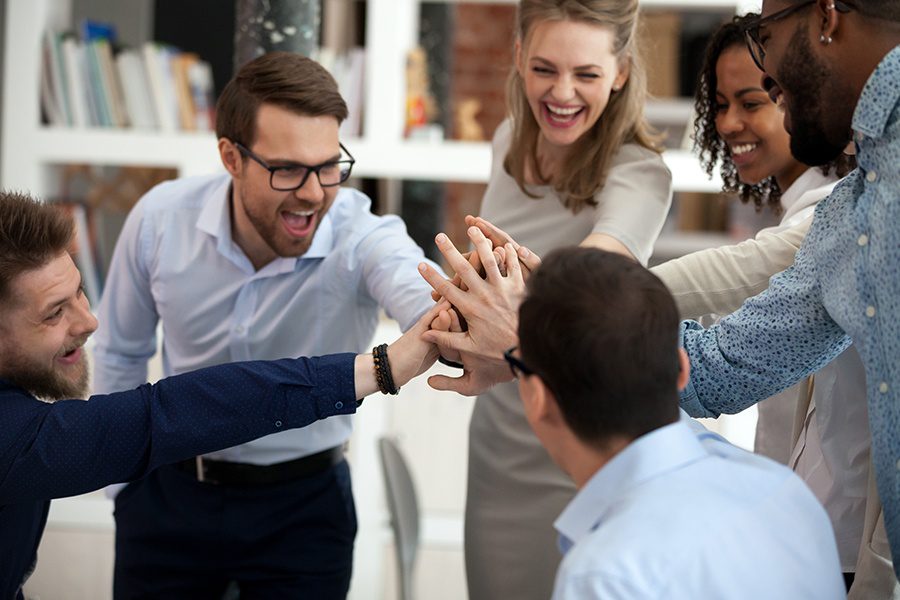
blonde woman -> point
(575, 163)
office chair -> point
(404, 508)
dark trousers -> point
(179, 538)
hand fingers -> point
(531, 260)
(448, 339)
(442, 322)
(484, 249)
(458, 263)
(497, 236)
(443, 287)
(513, 269)
(455, 324)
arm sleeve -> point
(634, 202)
(390, 259)
(774, 340)
(126, 337)
(718, 280)
(72, 446)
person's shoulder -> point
(185, 193)
(502, 135)
(352, 217)
(634, 154)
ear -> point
(830, 18)
(230, 156)
(541, 408)
(623, 74)
(684, 372)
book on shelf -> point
(91, 82)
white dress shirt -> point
(176, 262)
(682, 514)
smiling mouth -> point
(562, 115)
(299, 223)
(741, 149)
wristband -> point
(383, 371)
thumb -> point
(444, 383)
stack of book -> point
(87, 82)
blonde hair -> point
(622, 121)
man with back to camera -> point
(599, 371)
(51, 447)
(272, 258)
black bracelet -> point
(383, 371)
(450, 363)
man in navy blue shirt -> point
(51, 447)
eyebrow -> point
(286, 162)
(60, 302)
(578, 68)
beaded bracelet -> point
(383, 371)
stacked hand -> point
(483, 319)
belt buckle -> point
(201, 471)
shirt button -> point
(883, 388)
(862, 240)
(339, 405)
(871, 176)
(870, 311)
(239, 330)
(898, 464)
(859, 136)
(277, 423)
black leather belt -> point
(232, 473)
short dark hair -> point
(602, 332)
(710, 145)
(888, 10)
(32, 233)
(285, 79)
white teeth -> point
(301, 213)
(742, 149)
(562, 111)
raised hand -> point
(489, 307)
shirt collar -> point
(215, 219)
(795, 199)
(651, 455)
(879, 97)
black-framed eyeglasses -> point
(516, 364)
(752, 30)
(287, 178)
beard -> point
(817, 137)
(44, 382)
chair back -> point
(404, 509)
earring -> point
(825, 40)
(830, 7)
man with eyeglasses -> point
(271, 259)
(665, 508)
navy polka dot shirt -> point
(843, 286)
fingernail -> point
(441, 238)
(422, 267)
(524, 252)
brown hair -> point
(601, 331)
(621, 122)
(291, 81)
(32, 233)
(709, 143)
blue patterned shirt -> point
(843, 286)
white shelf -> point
(196, 153)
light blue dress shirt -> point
(844, 284)
(682, 514)
(176, 262)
